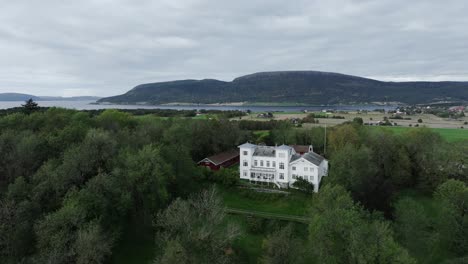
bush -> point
(358, 120)
(303, 185)
(420, 120)
(226, 176)
(255, 225)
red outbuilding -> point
(224, 159)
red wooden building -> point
(223, 159)
(302, 149)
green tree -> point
(145, 176)
(431, 158)
(358, 120)
(30, 106)
(412, 226)
(91, 245)
(342, 232)
(196, 227)
(283, 247)
(453, 219)
(342, 135)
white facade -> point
(281, 165)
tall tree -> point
(195, 228)
(453, 219)
(283, 247)
(342, 232)
(30, 106)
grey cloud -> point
(54, 47)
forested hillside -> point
(293, 87)
(75, 185)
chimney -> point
(311, 149)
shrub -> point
(303, 185)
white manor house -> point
(281, 165)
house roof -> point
(222, 157)
(283, 147)
(265, 151)
(247, 145)
(300, 148)
(312, 157)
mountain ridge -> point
(6, 97)
(296, 87)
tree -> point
(340, 231)
(431, 158)
(412, 226)
(358, 120)
(145, 176)
(342, 135)
(283, 247)
(91, 245)
(195, 228)
(453, 219)
(173, 253)
(30, 106)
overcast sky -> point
(106, 47)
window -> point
(255, 163)
(261, 163)
(281, 155)
(293, 168)
(311, 168)
(281, 176)
(306, 168)
(281, 165)
(245, 174)
(245, 153)
(311, 178)
(294, 176)
(252, 175)
(273, 164)
(268, 163)
(246, 163)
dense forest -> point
(293, 87)
(73, 183)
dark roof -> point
(222, 157)
(300, 148)
(265, 151)
(295, 157)
(311, 156)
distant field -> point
(449, 134)
(429, 120)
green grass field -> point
(449, 134)
(292, 204)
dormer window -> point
(245, 153)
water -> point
(87, 105)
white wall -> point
(248, 158)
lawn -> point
(449, 134)
(293, 204)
